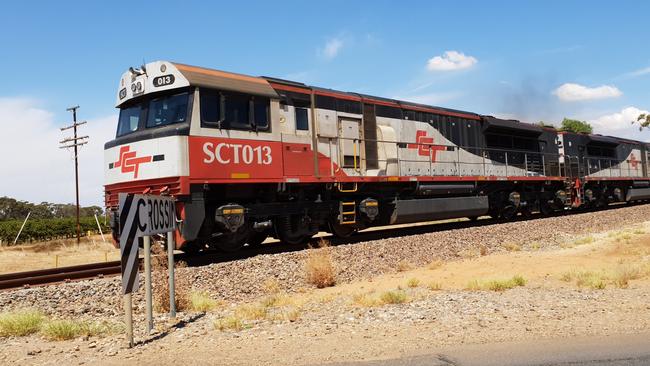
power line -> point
(74, 143)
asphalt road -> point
(620, 350)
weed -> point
(365, 300)
(434, 286)
(61, 330)
(585, 240)
(251, 311)
(229, 323)
(393, 297)
(20, 323)
(319, 268)
(511, 247)
(496, 285)
(413, 282)
(202, 302)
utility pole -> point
(75, 142)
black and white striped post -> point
(142, 216)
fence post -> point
(100, 229)
(22, 227)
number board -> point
(163, 80)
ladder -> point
(348, 213)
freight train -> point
(251, 157)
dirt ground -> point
(334, 325)
(56, 253)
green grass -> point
(497, 284)
(20, 323)
(65, 329)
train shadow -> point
(214, 256)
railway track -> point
(57, 275)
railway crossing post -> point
(141, 216)
(170, 266)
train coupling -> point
(231, 216)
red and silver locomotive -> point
(251, 157)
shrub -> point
(319, 268)
(48, 229)
(393, 297)
(20, 323)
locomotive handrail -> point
(550, 162)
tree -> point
(544, 124)
(576, 126)
(644, 120)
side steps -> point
(347, 213)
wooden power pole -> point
(74, 142)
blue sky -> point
(512, 59)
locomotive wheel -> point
(509, 213)
(341, 231)
(232, 242)
(545, 209)
(192, 248)
(256, 239)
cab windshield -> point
(152, 113)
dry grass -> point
(319, 268)
(413, 282)
(435, 264)
(434, 286)
(252, 311)
(20, 323)
(590, 279)
(159, 280)
(511, 247)
(483, 250)
(62, 252)
(404, 265)
(229, 323)
(271, 286)
(393, 297)
(201, 301)
(496, 285)
(365, 300)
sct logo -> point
(129, 161)
(424, 145)
(225, 153)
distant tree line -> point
(12, 209)
(570, 125)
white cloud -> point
(571, 92)
(332, 48)
(450, 61)
(33, 166)
(619, 123)
(639, 72)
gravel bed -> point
(243, 279)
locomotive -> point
(251, 157)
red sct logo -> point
(129, 162)
(424, 145)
